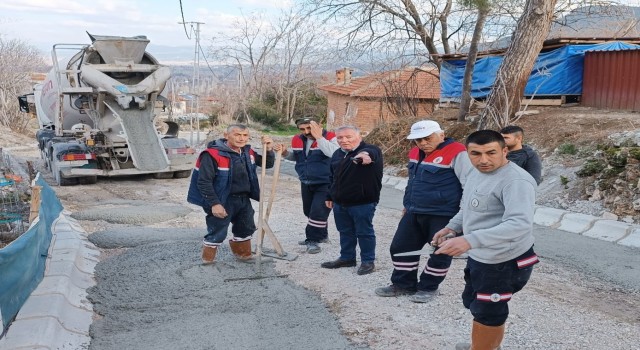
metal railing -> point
(78, 48)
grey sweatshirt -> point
(496, 213)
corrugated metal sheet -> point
(612, 80)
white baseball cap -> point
(423, 128)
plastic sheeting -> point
(556, 72)
(22, 262)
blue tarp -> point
(557, 72)
(22, 261)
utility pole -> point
(195, 77)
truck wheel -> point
(182, 174)
(163, 175)
(45, 160)
(87, 180)
(63, 181)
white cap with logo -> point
(423, 128)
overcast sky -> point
(43, 23)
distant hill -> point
(172, 55)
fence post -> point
(31, 170)
(35, 203)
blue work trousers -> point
(315, 209)
(239, 214)
(414, 232)
(489, 287)
(355, 224)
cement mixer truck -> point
(97, 112)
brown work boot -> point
(483, 338)
(242, 250)
(209, 253)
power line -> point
(207, 62)
(195, 77)
(209, 66)
(184, 24)
(211, 69)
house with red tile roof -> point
(369, 101)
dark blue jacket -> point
(217, 192)
(433, 187)
(312, 168)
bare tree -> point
(400, 95)
(402, 92)
(17, 60)
(298, 55)
(275, 58)
(427, 28)
(247, 50)
(484, 7)
(504, 99)
(419, 26)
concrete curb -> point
(401, 185)
(548, 216)
(390, 181)
(576, 222)
(58, 314)
(590, 226)
(633, 239)
(609, 230)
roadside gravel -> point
(558, 309)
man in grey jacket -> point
(496, 216)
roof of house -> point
(589, 24)
(425, 84)
(592, 22)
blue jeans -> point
(355, 224)
(239, 213)
(489, 287)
